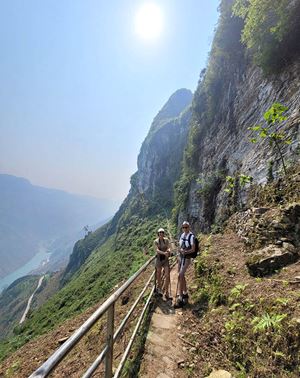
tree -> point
(271, 31)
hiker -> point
(186, 248)
(162, 249)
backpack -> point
(196, 242)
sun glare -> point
(149, 21)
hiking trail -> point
(164, 353)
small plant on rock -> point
(272, 131)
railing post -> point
(110, 340)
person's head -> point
(186, 227)
(161, 232)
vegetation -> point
(278, 191)
(181, 194)
(117, 259)
(13, 302)
(271, 31)
(225, 60)
(252, 324)
(82, 249)
(273, 131)
(234, 186)
(271, 334)
(210, 291)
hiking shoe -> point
(158, 292)
(185, 298)
(178, 304)
(167, 297)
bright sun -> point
(149, 21)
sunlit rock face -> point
(226, 146)
(159, 161)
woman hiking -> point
(162, 249)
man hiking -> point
(162, 249)
(186, 250)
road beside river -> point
(30, 300)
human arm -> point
(159, 251)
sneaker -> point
(185, 298)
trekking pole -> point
(170, 291)
(177, 281)
(155, 279)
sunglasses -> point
(160, 232)
(185, 226)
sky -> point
(80, 85)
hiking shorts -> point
(183, 264)
(161, 263)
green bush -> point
(271, 31)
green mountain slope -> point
(196, 148)
(13, 302)
(113, 252)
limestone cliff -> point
(233, 95)
(151, 192)
(161, 153)
(159, 161)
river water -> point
(38, 260)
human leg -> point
(183, 270)
(158, 277)
(167, 279)
(178, 294)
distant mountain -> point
(33, 216)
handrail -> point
(61, 352)
(101, 356)
(129, 345)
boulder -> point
(271, 258)
(219, 374)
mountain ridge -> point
(233, 93)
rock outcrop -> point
(226, 148)
(271, 236)
(161, 153)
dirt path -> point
(164, 349)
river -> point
(38, 260)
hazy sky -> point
(80, 87)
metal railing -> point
(107, 353)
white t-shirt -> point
(184, 240)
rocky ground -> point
(213, 328)
(204, 336)
(243, 319)
(29, 357)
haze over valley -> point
(36, 221)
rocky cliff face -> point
(159, 162)
(161, 153)
(226, 147)
(151, 193)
